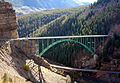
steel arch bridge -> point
(65, 40)
(43, 44)
(89, 42)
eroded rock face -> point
(27, 46)
(8, 24)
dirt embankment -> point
(15, 68)
(11, 64)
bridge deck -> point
(57, 37)
(89, 70)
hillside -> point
(30, 22)
(10, 64)
(98, 19)
(30, 6)
(17, 65)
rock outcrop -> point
(13, 60)
(8, 24)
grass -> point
(5, 78)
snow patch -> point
(26, 10)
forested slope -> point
(32, 6)
(99, 18)
(30, 22)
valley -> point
(63, 45)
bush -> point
(26, 67)
(5, 78)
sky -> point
(90, 1)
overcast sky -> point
(90, 1)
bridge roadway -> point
(57, 37)
(85, 70)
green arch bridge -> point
(44, 44)
(65, 40)
(89, 42)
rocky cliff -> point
(8, 24)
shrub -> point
(26, 67)
(5, 77)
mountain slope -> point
(30, 22)
(29, 6)
(98, 19)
